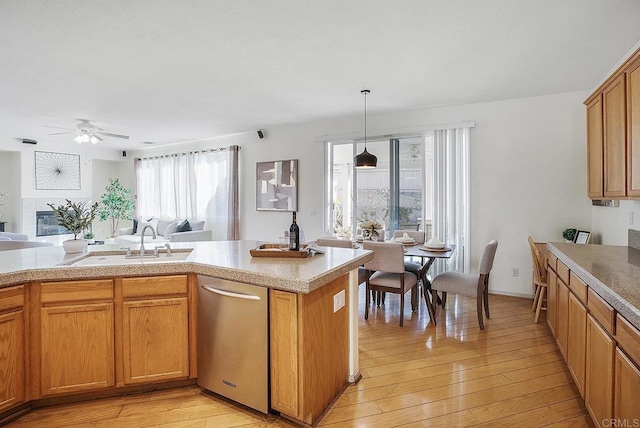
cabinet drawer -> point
(563, 272)
(154, 286)
(601, 310)
(628, 338)
(578, 287)
(11, 298)
(552, 261)
(77, 291)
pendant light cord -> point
(365, 92)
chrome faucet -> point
(142, 237)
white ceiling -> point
(168, 71)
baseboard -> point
(512, 294)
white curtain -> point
(194, 185)
(451, 196)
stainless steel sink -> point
(121, 259)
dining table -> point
(427, 256)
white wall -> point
(10, 182)
(610, 224)
(528, 173)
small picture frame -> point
(582, 237)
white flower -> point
(370, 225)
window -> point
(196, 185)
(421, 183)
(392, 193)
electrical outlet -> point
(338, 301)
(631, 218)
(515, 271)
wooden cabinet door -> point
(627, 388)
(552, 294)
(77, 351)
(562, 317)
(12, 359)
(577, 341)
(633, 129)
(594, 149)
(155, 340)
(599, 372)
(283, 318)
(614, 109)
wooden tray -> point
(273, 250)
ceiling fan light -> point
(78, 139)
(94, 139)
(84, 138)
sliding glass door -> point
(393, 194)
(421, 183)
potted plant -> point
(117, 204)
(75, 217)
(569, 235)
(89, 237)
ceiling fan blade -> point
(98, 137)
(61, 133)
(108, 134)
(58, 127)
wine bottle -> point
(294, 235)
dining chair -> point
(342, 243)
(468, 284)
(539, 280)
(386, 273)
(410, 265)
(334, 242)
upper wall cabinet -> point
(613, 134)
(615, 139)
(595, 175)
(633, 129)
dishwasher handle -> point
(230, 294)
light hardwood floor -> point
(510, 374)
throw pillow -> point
(142, 224)
(162, 226)
(197, 225)
(184, 227)
(171, 228)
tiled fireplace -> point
(47, 225)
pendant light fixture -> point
(365, 159)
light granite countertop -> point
(612, 271)
(221, 259)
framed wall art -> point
(277, 185)
(57, 171)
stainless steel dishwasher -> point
(233, 341)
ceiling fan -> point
(86, 132)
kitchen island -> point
(43, 295)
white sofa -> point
(165, 232)
(17, 241)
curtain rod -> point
(191, 152)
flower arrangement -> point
(370, 229)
